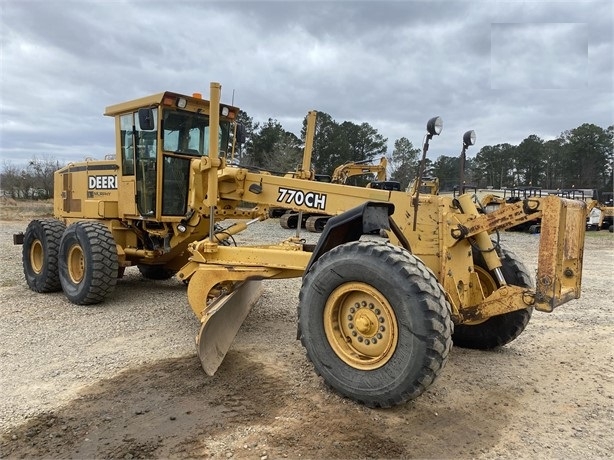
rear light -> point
(175, 101)
(169, 100)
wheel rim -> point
(37, 256)
(489, 285)
(76, 263)
(360, 326)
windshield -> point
(187, 133)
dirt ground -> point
(141, 393)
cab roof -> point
(166, 98)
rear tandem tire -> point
(502, 329)
(41, 243)
(88, 262)
(375, 323)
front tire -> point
(88, 263)
(501, 329)
(375, 323)
(41, 243)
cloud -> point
(392, 64)
(539, 55)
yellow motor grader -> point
(393, 280)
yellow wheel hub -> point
(37, 256)
(76, 263)
(360, 326)
(489, 285)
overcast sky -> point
(506, 69)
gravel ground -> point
(121, 379)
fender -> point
(369, 217)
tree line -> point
(581, 157)
(34, 181)
(269, 145)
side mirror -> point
(146, 119)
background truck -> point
(394, 278)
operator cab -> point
(158, 138)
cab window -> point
(187, 133)
(146, 166)
(127, 144)
(184, 132)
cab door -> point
(183, 140)
(125, 147)
(175, 183)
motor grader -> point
(393, 280)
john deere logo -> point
(102, 182)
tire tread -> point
(53, 230)
(432, 300)
(498, 331)
(104, 263)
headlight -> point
(434, 126)
(469, 137)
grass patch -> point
(599, 234)
(11, 209)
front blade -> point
(222, 322)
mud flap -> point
(222, 321)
